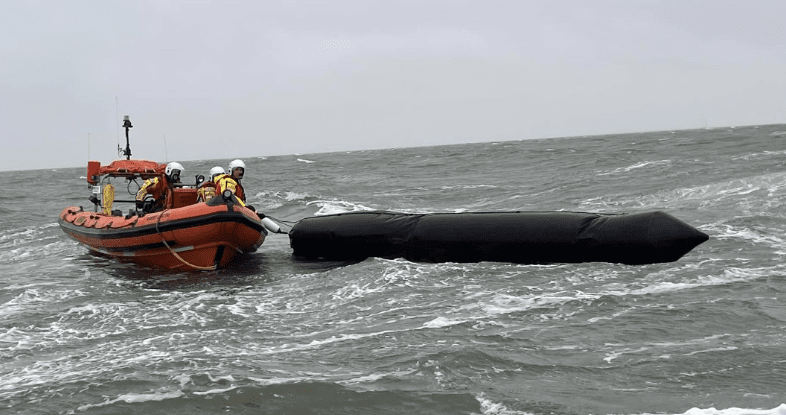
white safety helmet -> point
(235, 164)
(173, 167)
(216, 170)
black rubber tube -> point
(519, 237)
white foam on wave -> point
(288, 347)
(761, 155)
(637, 166)
(27, 243)
(102, 320)
(136, 398)
(118, 331)
(354, 290)
(441, 322)
(373, 377)
(215, 391)
(34, 298)
(19, 235)
(468, 186)
(740, 192)
(331, 207)
(728, 276)
(489, 407)
(613, 355)
(15, 339)
(705, 342)
(276, 199)
(714, 349)
(292, 196)
(724, 231)
(504, 303)
(779, 410)
(305, 161)
(364, 379)
(286, 380)
(480, 305)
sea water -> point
(705, 335)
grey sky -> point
(228, 79)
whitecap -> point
(214, 391)
(706, 196)
(362, 379)
(441, 322)
(724, 231)
(637, 166)
(760, 155)
(292, 196)
(330, 207)
(283, 381)
(613, 355)
(468, 186)
(488, 407)
(780, 410)
(715, 349)
(137, 398)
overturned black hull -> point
(518, 237)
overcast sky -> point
(224, 79)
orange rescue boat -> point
(185, 235)
(188, 235)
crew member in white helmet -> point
(160, 190)
(231, 181)
(208, 189)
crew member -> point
(159, 189)
(231, 181)
(208, 189)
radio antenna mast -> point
(127, 125)
(117, 120)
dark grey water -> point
(84, 334)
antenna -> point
(166, 155)
(127, 125)
(88, 146)
(117, 119)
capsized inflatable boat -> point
(518, 237)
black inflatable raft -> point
(519, 237)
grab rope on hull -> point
(210, 268)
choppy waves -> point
(700, 336)
(421, 324)
(756, 194)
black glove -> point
(253, 209)
(140, 204)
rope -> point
(283, 221)
(210, 268)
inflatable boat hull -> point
(518, 237)
(198, 235)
